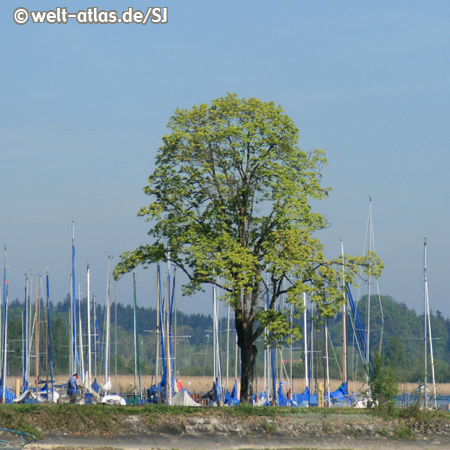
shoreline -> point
(202, 384)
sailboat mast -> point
(5, 326)
(433, 379)
(46, 323)
(305, 340)
(3, 320)
(266, 350)
(74, 305)
(327, 364)
(214, 332)
(168, 343)
(108, 319)
(88, 299)
(236, 355)
(291, 352)
(135, 336)
(425, 326)
(25, 336)
(115, 338)
(137, 363)
(344, 320)
(368, 293)
(49, 331)
(228, 342)
(80, 331)
(216, 352)
(428, 335)
(29, 326)
(37, 332)
(158, 299)
(97, 336)
(5, 354)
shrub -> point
(383, 386)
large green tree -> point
(230, 206)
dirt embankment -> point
(72, 426)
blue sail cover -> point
(232, 399)
(95, 386)
(217, 391)
(156, 392)
(300, 399)
(282, 399)
(340, 395)
(305, 398)
(9, 396)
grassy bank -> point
(109, 421)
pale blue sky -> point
(83, 109)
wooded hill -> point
(402, 349)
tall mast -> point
(217, 368)
(5, 350)
(291, 353)
(368, 294)
(228, 342)
(74, 306)
(25, 337)
(88, 295)
(216, 350)
(97, 336)
(115, 338)
(37, 332)
(80, 332)
(135, 336)
(108, 319)
(158, 300)
(428, 335)
(168, 343)
(312, 343)
(236, 356)
(369, 331)
(71, 354)
(49, 331)
(327, 364)
(5, 325)
(305, 339)
(46, 324)
(28, 327)
(344, 320)
(266, 350)
(3, 320)
(137, 363)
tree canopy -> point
(230, 206)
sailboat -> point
(163, 391)
(367, 331)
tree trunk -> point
(248, 361)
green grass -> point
(402, 431)
(106, 421)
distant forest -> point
(402, 342)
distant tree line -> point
(402, 348)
